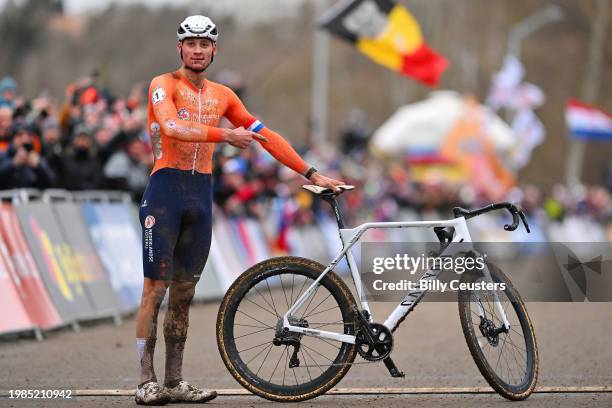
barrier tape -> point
(239, 392)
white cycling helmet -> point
(198, 27)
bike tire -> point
(226, 342)
(523, 389)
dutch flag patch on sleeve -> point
(256, 126)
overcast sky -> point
(248, 10)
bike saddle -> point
(321, 190)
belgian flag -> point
(388, 34)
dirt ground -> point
(575, 343)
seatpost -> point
(331, 199)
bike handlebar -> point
(515, 211)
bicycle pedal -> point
(393, 370)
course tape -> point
(369, 391)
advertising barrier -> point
(56, 261)
(26, 279)
(14, 317)
(86, 260)
(69, 261)
(117, 242)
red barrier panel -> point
(14, 317)
(27, 279)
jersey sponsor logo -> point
(149, 222)
(158, 95)
(188, 96)
(183, 114)
(210, 103)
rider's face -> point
(197, 52)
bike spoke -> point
(304, 359)
(252, 326)
(262, 308)
(315, 351)
(251, 333)
(322, 311)
(292, 285)
(315, 361)
(286, 364)
(264, 359)
(265, 300)
(310, 301)
(271, 297)
(257, 355)
(251, 317)
(252, 347)
(283, 288)
(317, 306)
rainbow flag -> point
(388, 34)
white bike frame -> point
(410, 300)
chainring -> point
(382, 346)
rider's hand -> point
(327, 182)
(239, 137)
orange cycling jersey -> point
(183, 123)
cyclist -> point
(183, 114)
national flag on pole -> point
(587, 122)
(388, 34)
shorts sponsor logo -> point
(171, 124)
(148, 244)
(158, 95)
(183, 114)
(149, 221)
(144, 204)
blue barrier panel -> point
(118, 244)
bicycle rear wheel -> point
(249, 326)
(507, 359)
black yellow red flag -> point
(388, 34)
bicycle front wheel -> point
(277, 365)
(507, 358)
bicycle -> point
(293, 344)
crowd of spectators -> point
(93, 140)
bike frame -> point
(350, 237)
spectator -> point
(8, 92)
(355, 133)
(81, 169)
(22, 166)
(52, 149)
(6, 123)
(129, 169)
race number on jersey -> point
(158, 95)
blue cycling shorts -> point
(176, 219)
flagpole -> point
(590, 89)
(320, 78)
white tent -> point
(423, 126)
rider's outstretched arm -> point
(276, 145)
(161, 94)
